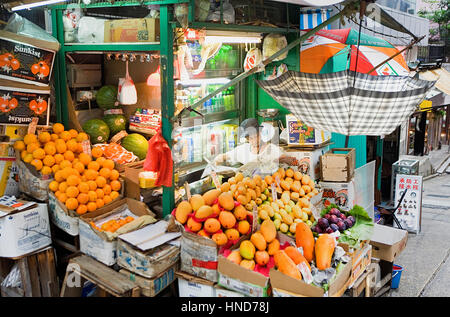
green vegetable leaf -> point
(361, 230)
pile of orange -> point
(113, 224)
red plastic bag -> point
(159, 160)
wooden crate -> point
(37, 273)
(110, 283)
(338, 167)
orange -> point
(91, 206)
(115, 185)
(72, 191)
(65, 135)
(114, 195)
(53, 186)
(28, 158)
(72, 145)
(32, 147)
(55, 168)
(19, 145)
(107, 189)
(50, 148)
(58, 128)
(107, 199)
(61, 147)
(57, 193)
(78, 166)
(79, 148)
(65, 163)
(92, 195)
(82, 209)
(99, 203)
(92, 185)
(59, 176)
(97, 152)
(91, 174)
(23, 154)
(54, 136)
(100, 160)
(114, 175)
(49, 160)
(62, 197)
(82, 137)
(44, 137)
(73, 133)
(37, 164)
(84, 158)
(63, 187)
(101, 181)
(100, 193)
(109, 164)
(83, 187)
(83, 198)
(58, 158)
(72, 203)
(39, 154)
(46, 170)
(69, 155)
(66, 172)
(94, 166)
(105, 172)
(30, 138)
(73, 180)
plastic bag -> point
(13, 278)
(126, 93)
(228, 14)
(71, 19)
(272, 44)
(91, 30)
(159, 160)
(202, 10)
(252, 59)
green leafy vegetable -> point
(361, 230)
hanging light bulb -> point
(154, 79)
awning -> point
(373, 105)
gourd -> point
(286, 265)
(304, 238)
(324, 250)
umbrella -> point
(329, 50)
(346, 102)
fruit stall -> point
(111, 154)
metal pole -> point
(267, 61)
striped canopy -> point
(375, 105)
(335, 50)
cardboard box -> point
(151, 287)
(341, 194)
(293, 287)
(9, 177)
(95, 243)
(192, 286)
(299, 134)
(23, 229)
(237, 278)
(222, 292)
(16, 108)
(388, 242)
(148, 264)
(61, 218)
(132, 30)
(31, 182)
(361, 259)
(308, 161)
(338, 167)
(33, 58)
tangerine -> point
(65, 135)
(73, 133)
(65, 163)
(92, 185)
(100, 193)
(78, 166)
(101, 181)
(49, 160)
(44, 137)
(114, 175)
(93, 165)
(61, 147)
(50, 148)
(115, 185)
(55, 168)
(105, 172)
(72, 191)
(107, 189)
(97, 152)
(32, 147)
(107, 199)
(84, 158)
(73, 180)
(62, 197)
(91, 174)
(114, 195)
(83, 198)
(72, 203)
(59, 176)
(83, 187)
(30, 138)
(72, 145)
(69, 155)
(108, 163)
(82, 137)
(91, 206)
(82, 209)
(58, 128)
(100, 203)
(92, 195)
(37, 164)
(53, 186)
(19, 145)
(58, 158)
(39, 154)
(46, 170)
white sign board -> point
(409, 213)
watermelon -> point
(115, 122)
(107, 97)
(97, 130)
(137, 144)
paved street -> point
(426, 259)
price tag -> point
(277, 179)
(188, 191)
(86, 145)
(306, 273)
(274, 192)
(215, 179)
(255, 218)
(33, 125)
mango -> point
(242, 199)
(285, 185)
(277, 223)
(204, 212)
(285, 197)
(289, 172)
(258, 241)
(263, 214)
(183, 210)
(204, 233)
(305, 179)
(216, 210)
(210, 196)
(220, 238)
(226, 201)
(247, 250)
(258, 180)
(243, 227)
(262, 258)
(225, 187)
(232, 234)
(248, 264)
(298, 176)
(273, 247)
(193, 225)
(196, 202)
(239, 177)
(240, 212)
(268, 230)
(284, 228)
(211, 225)
(227, 219)
(235, 257)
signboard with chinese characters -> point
(409, 213)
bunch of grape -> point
(332, 221)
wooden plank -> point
(25, 277)
(47, 274)
(33, 273)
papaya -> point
(268, 230)
(258, 241)
(210, 196)
(296, 256)
(286, 265)
(324, 250)
(304, 238)
(226, 201)
(183, 210)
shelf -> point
(119, 3)
(237, 27)
(210, 117)
(111, 47)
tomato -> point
(33, 105)
(13, 103)
(41, 106)
(4, 60)
(4, 105)
(15, 64)
(35, 69)
(44, 70)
